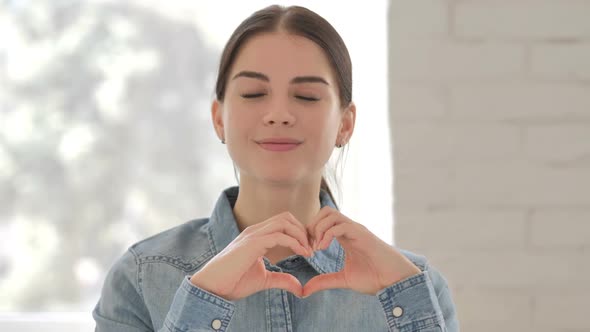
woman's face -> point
(281, 86)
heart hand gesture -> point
(370, 263)
(239, 271)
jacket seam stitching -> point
(138, 280)
(175, 262)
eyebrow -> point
(308, 79)
(252, 74)
(295, 80)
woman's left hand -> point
(370, 263)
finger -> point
(291, 218)
(344, 229)
(324, 281)
(302, 237)
(288, 227)
(319, 216)
(288, 216)
(283, 281)
(323, 213)
(272, 240)
(327, 223)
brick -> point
(442, 61)
(562, 311)
(561, 61)
(524, 325)
(564, 143)
(470, 229)
(407, 102)
(487, 142)
(423, 143)
(422, 186)
(484, 307)
(541, 19)
(521, 101)
(418, 18)
(519, 184)
(492, 185)
(502, 326)
(562, 229)
(525, 272)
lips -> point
(279, 144)
(279, 140)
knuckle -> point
(247, 230)
(289, 215)
(282, 217)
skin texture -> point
(268, 94)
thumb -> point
(284, 281)
(324, 281)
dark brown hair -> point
(297, 21)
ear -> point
(217, 118)
(347, 123)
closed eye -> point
(306, 98)
(253, 95)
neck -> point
(257, 202)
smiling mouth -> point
(279, 147)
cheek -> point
(326, 132)
(328, 129)
(237, 122)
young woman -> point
(276, 253)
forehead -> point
(282, 55)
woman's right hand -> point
(238, 270)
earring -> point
(222, 141)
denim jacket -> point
(148, 289)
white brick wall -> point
(425, 61)
(490, 112)
(521, 102)
(557, 144)
(562, 60)
(560, 229)
(523, 20)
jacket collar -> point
(223, 229)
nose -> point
(279, 114)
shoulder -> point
(184, 246)
(181, 247)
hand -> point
(238, 270)
(370, 263)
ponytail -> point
(324, 186)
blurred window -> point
(106, 137)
